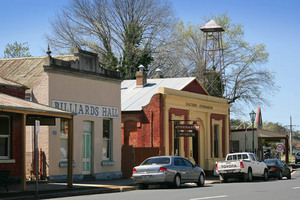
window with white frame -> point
(107, 139)
(64, 132)
(4, 137)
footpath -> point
(48, 190)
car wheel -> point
(279, 176)
(225, 179)
(177, 181)
(266, 177)
(142, 186)
(289, 175)
(201, 180)
(250, 175)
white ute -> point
(243, 166)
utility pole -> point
(291, 133)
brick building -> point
(153, 109)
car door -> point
(255, 165)
(285, 170)
(181, 169)
(193, 173)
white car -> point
(243, 166)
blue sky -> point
(276, 23)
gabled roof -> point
(133, 97)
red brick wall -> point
(195, 87)
(144, 128)
(13, 91)
(217, 117)
(16, 148)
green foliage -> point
(134, 54)
(244, 79)
(276, 127)
(16, 50)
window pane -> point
(3, 146)
(64, 148)
(105, 150)
(216, 140)
(106, 129)
(64, 129)
(4, 126)
(107, 135)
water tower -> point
(212, 74)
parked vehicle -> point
(244, 166)
(297, 157)
(170, 170)
(277, 169)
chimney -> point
(141, 77)
(158, 73)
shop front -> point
(77, 84)
(177, 116)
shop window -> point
(64, 132)
(107, 139)
(4, 137)
(216, 141)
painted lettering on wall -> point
(87, 109)
(194, 105)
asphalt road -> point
(258, 189)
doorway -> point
(87, 147)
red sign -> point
(187, 127)
(279, 147)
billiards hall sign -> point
(87, 109)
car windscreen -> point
(270, 162)
(157, 161)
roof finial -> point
(48, 51)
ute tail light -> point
(242, 165)
(134, 170)
(162, 169)
(273, 168)
(216, 166)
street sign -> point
(187, 127)
(186, 134)
(37, 126)
(279, 147)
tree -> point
(246, 80)
(276, 127)
(16, 50)
(122, 32)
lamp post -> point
(252, 117)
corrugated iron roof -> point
(10, 102)
(26, 71)
(263, 133)
(211, 26)
(133, 98)
(7, 82)
(270, 134)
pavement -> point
(47, 190)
